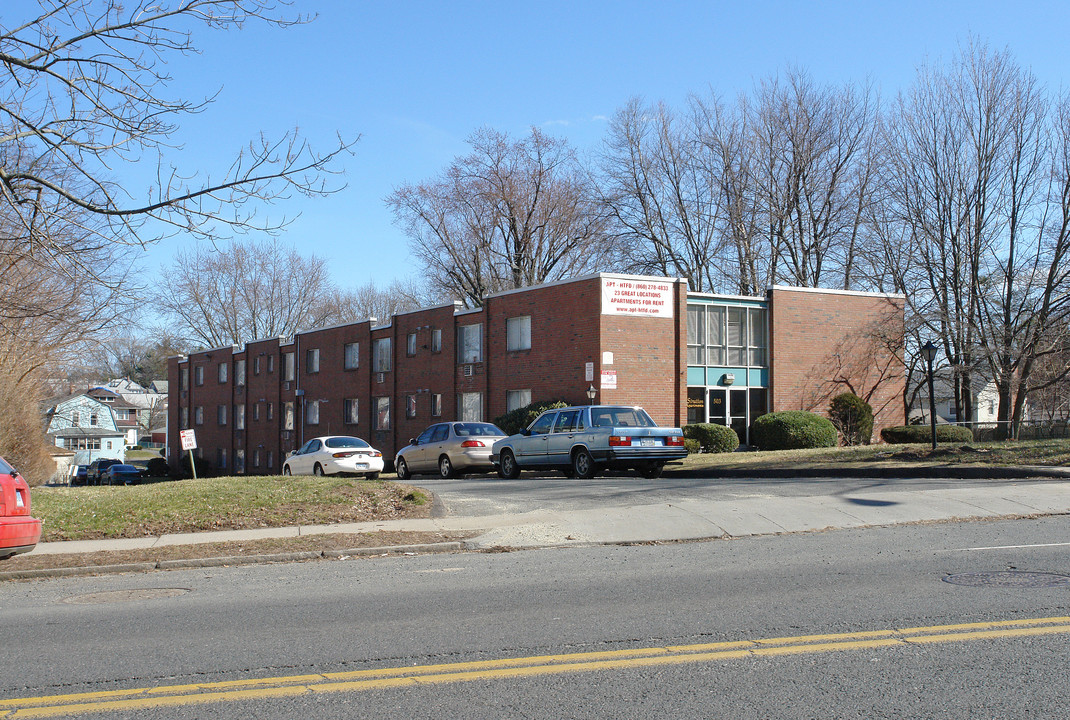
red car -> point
(19, 532)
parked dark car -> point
(80, 475)
(97, 468)
(120, 474)
(19, 532)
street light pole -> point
(929, 350)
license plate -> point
(362, 466)
(648, 442)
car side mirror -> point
(292, 453)
(525, 432)
(413, 441)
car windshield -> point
(345, 442)
(476, 429)
(620, 417)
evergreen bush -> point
(514, 421)
(793, 429)
(853, 417)
(712, 437)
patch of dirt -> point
(267, 546)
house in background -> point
(126, 413)
(150, 405)
(86, 425)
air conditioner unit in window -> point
(286, 386)
(468, 371)
(380, 377)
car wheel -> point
(583, 464)
(507, 466)
(651, 471)
(286, 470)
(445, 467)
(402, 469)
(372, 475)
(317, 469)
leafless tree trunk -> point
(512, 213)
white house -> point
(85, 425)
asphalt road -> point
(477, 495)
(715, 629)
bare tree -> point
(814, 165)
(84, 89)
(510, 214)
(662, 194)
(248, 291)
(980, 189)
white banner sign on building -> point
(646, 298)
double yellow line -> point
(364, 680)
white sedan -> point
(334, 454)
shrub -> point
(793, 429)
(156, 467)
(853, 417)
(692, 446)
(514, 421)
(205, 469)
(713, 438)
(923, 433)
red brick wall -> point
(823, 343)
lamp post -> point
(591, 392)
(929, 351)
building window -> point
(312, 412)
(470, 407)
(382, 413)
(184, 375)
(198, 375)
(221, 414)
(271, 411)
(696, 335)
(288, 367)
(269, 463)
(756, 336)
(221, 458)
(381, 355)
(470, 343)
(436, 340)
(517, 399)
(518, 333)
(352, 356)
(351, 411)
(256, 412)
(410, 344)
(256, 458)
(436, 405)
(410, 406)
(239, 417)
(256, 365)
(239, 460)
(239, 373)
(271, 363)
(198, 415)
(312, 361)
(222, 373)
(75, 418)
(93, 419)
(726, 336)
(183, 418)
(288, 415)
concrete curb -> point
(424, 549)
(956, 472)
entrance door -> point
(718, 406)
(737, 406)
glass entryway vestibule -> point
(732, 406)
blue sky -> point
(414, 79)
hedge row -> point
(907, 434)
(792, 430)
(514, 421)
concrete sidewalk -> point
(684, 520)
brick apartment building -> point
(685, 357)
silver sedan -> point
(449, 449)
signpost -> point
(189, 442)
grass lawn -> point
(224, 503)
(1010, 453)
